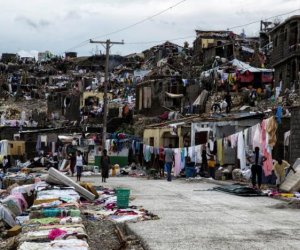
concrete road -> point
(191, 217)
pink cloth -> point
(55, 233)
(21, 200)
(233, 140)
(268, 164)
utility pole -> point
(107, 44)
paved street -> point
(194, 218)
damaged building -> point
(285, 57)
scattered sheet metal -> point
(55, 174)
(240, 190)
(292, 181)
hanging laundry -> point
(151, 149)
(44, 138)
(268, 164)
(241, 154)
(198, 151)
(191, 153)
(271, 129)
(147, 153)
(279, 114)
(257, 136)
(183, 154)
(177, 165)
(211, 145)
(233, 140)
(220, 151)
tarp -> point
(174, 95)
(55, 174)
(240, 190)
(243, 67)
(201, 98)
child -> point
(211, 166)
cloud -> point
(73, 15)
(75, 21)
(37, 25)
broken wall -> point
(295, 135)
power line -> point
(258, 21)
(129, 26)
(159, 41)
(175, 39)
(142, 21)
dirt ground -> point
(106, 235)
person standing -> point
(72, 159)
(5, 164)
(105, 163)
(169, 160)
(55, 161)
(204, 162)
(229, 102)
(79, 165)
(280, 168)
(257, 160)
(161, 162)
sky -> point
(61, 25)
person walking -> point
(169, 160)
(257, 160)
(105, 163)
(79, 165)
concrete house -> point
(285, 57)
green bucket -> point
(123, 197)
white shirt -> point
(79, 160)
(5, 162)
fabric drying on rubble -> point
(15, 204)
(43, 234)
(73, 244)
(6, 216)
(239, 190)
(65, 194)
(24, 189)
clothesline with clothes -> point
(262, 135)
